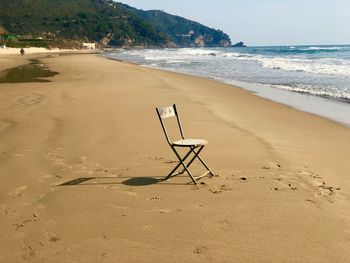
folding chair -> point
(195, 145)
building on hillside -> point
(89, 45)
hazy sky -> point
(265, 22)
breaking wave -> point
(317, 70)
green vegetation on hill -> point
(70, 22)
(183, 32)
(84, 20)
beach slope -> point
(82, 158)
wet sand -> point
(82, 159)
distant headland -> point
(68, 24)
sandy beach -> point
(81, 158)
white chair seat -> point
(190, 142)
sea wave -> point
(174, 54)
(322, 48)
(321, 66)
(317, 73)
(326, 66)
(330, 92)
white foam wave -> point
(309, 66)
(319, 91)
(177, 61)
(177, 54)
(223, 64)
(322, 48)
(325, 66)
(232, 55)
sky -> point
(265, 22)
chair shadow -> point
(130, 181)
(140, 181)
(77, 181)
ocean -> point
(314, 79)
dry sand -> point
(80, 159)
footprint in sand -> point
(164, 210)
(284, 185)
(171, 161)
(156, 158)
(199, 186)
(24, 222)
(52, 237)
(27, 252)
(327, 191)
(130, 193)
(47, 176)
(223, 223)
(319, 185)
(7, 211)
(154, 198)
(18, 192)
(220, 189)
(293, 188)
(273, 165)
(200, 250)
(312, 202)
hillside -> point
(182, 32)
(102, 21)
(85, 20)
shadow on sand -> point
(130, 181)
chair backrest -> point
(169, 112)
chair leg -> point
(186, 167)
(195, 154)
(171, 174)
(183, 164)
(200, 159)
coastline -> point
(10, 57)
(309, 89)
(96, 122)
(321, 106)
(337, 110)
(32, 50)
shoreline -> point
(87, 152)
(10, 57)
(323, 106)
